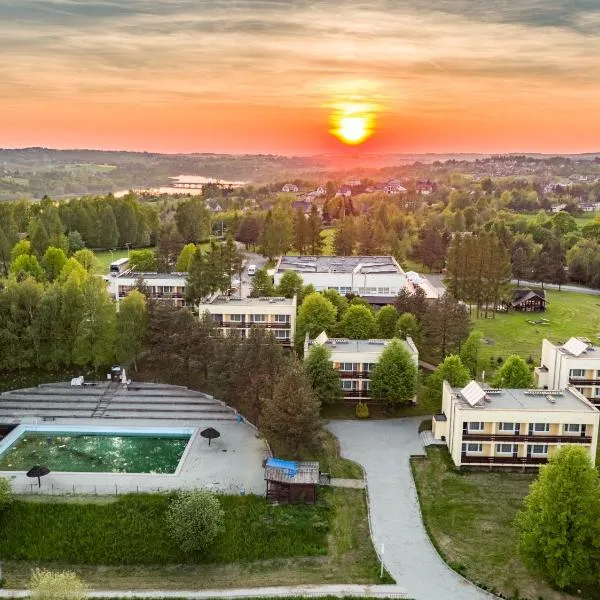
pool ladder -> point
(104, 400)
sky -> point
(268, 76)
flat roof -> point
(534, 399)
(340, 264)
(232, 301)
(148, 276)
(343, 345)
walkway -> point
(384, 448)
(565, 287)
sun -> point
(353, 130)
(351, 123)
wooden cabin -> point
(290, 481)
(527, 300)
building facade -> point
(355, 360)
(360, 275)
(576, 363)
(513, 428)
(278, 315)
(167, 287)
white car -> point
(251, 270)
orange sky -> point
(265, 75)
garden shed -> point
(528, 300)
(291, 481)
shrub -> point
(362, 411)
(194, 519)
(5, 493)
(56, 585)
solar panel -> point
(575, 347)
(473, 393)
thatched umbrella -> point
(210, 434)
(38, 471)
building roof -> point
(344, 345)
(135, 275)
(233, 301)
(524, 295)
(303, 473)
(339, 264)
(514, 399)
(579, 348)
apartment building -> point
(361, 275)
(513, 428)
(355, 360)
(576, 363)
(169, 287)
(278, 315)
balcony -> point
(247, 324)
(537, 439)
(354, 374)
(503, 460)
(583, 381)
(356, 394)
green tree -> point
(199, 280)
(193, 220)
(407, 325)
(315, 225)
(262, 284)
(316, 314)
(250, 230)
(53, 261)
(345, 236)
(20, 248)
(387, 318)
(277, 234)
(27, 265)
(185, 258)
(290, 285)
(132, 322)
(559, 526)
(231, 260)
(339, 301)
(75, 241)
(451, 370)
(38, 236)
(88, 260)
(358, 323)
(514, 374)
(469, 351)
(394, 378)
(290, 419)
(56, 585)
(194, 520)
(323, 376)
(301, 232)
(107, 234)
(143, 260)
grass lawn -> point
(107, 256)
(581, 220)
(328, 235)
(570, 314)
(122, 544)
(469, 517)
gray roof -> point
(535, 399)
(233, 301)
(149, 276)
(339, 264)
(308, 473)
(340, 345)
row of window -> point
(505, 449)
(280, 334)
(254, 318)
(350, 367)
(365, 291)
(352, 385)
(581, 373)
(595, 391)
(507, 427)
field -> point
(123, 544)
(328, 235)
(585, 219)
(570, 314)
(469, 517)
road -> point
(580, 289)
(250, 258)
(383, 448)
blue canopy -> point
(287, 465)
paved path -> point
(383, 448)
(306, 591)
(566, 287)
(357, 484)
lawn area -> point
(570, 314)
(328, 235)
(107, 256)
(123, 544)
(581, 220)
(469, 517)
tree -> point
(324, 378)
(514, 374)
(108, 234)
(131, 328)
(408, 326)
(143, 260)
(290, 284)
(75, 241)
(430, 248)
(194, 519)
(20, 248)
(38, 236)
(358, 323)
(559, 526)
(301, 232)
(88, 260)
(56, 585)
(185, 258)
(469, 352)
(446, 326)
(290, 419)
(193, 220)
(316, 314)
(583, 261)
(230, 261)
(27, 265)
(386, 318)
(451, 370)
(315, 225)
(345, 236)
(53, 261)
(262, 284)
(250, 230)
(394, 378)
(277, 234)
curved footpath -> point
(383, 448)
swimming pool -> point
(85, 449)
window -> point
(258, 318)
(347, 367)
(539, 449)
(236, 318)
(282, 334)
(505, 448)
(366, 385)
(348, 384)
(543, 427)
(577, 373)
(385, 291)
(344, 290)
(572, 427)
(369, 367)
(475, 426)
(580, 390)
(506, 427)
(597, 392)
(472, 448)
(282, 318)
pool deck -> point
(232, 464)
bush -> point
(5, 493)
(194, 519)
(362, 411)
(56, 585)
